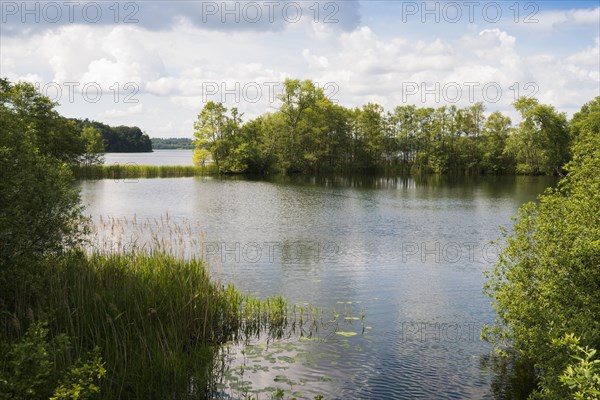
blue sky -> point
(160, 62)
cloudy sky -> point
(155, 64)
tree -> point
(119, 139)
(299, 100)
(546, 285)
(39, 207)
(370, 133)
(540, 143)
(209, 131)
(94, 147)
(48, 131)
(587, 119)
(492, 146)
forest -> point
(119, 139)
(311, 134)
(172, 144)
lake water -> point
(409, 253)
(157, 157)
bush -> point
(547, 282)
(31, 369)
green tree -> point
(210, 130)
(540, 143)
(39, 208)
(547, 282)
(300, 104)
(94, 146)
(492, 146)
(587, 119)
(48, 131)
(370, 132)
(404, 127)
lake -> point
(408, 253)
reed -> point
(153, 310)
(158, 320)
(131, 171)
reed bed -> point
(158, 318)
(132, 171)
(163, 235)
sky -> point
(155, 64)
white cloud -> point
(562, 19)
(123, 112)
(316, 62)
(176, 70)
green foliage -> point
(94, 146)
(172, 144)
(24, 111)
(39, 208)
(540, 143)
(31, 369)
(582, 374)
(119, 139)
(587, 119)
(492, 146)
(311, 134)
(547, 282)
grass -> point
(141, 292)
(130, 171)
(157, 320)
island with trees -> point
(311, 134)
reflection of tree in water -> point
(511, 378)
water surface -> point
(409, 252)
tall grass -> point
(158, 320)
(141, 293)
(131, 171)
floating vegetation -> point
(346, 334)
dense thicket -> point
(309, 133)
(546, 287)
(120, 139)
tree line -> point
(311, 134)
(172, 144)
(119, 139)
